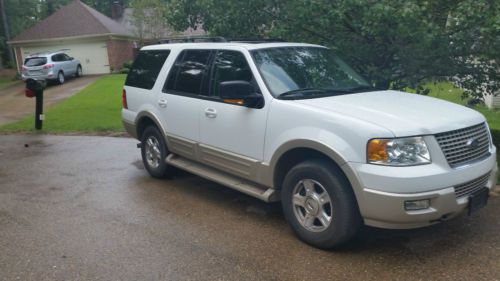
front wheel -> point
(154, 151)
(319, 204)
(79, 71)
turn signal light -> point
(47, 66)
(377, 150)
(235, 101)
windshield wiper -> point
(357, 89)
(300, 93)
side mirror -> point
(241, 93)
(71, 58)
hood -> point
(404, 114)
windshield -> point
(37, 61)
(307, 72)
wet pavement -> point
(84, 208)
(15, 106)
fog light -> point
(417, 205)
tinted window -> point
(35, 61)
(188, 72)
(146, 68)
(229, 66)
(64, 57)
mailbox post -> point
(34, 88)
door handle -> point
(162, 103)
(210, 113)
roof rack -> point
(47, 52)
(191, 39)
(204, 39)
(256, 40)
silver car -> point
(55, 66)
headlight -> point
(398, 152)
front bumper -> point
(381, 191)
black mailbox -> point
(34, 88)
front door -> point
(232, 136)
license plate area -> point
(478, 200)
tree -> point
(149, 18)
(394, 43)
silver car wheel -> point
(60, 78)
(153, 152)
(312, 205)
(79, 71)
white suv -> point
(293, 122)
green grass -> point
(94, 109)
(6, 82)
(447, 91)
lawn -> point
(94, 109)
(447, 91)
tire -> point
(154, 151)
(79, 71)
(319, 204)
(60, 78)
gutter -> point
(96, 36)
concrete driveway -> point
(15, 106)
(83, 208)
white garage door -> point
(92, 55)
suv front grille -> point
(464, 146)
(472, 186)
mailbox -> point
(34, 88)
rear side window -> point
(37, 61)
(146, 68)
(188, 72)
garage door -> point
(92, 55)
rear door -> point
(180, 100)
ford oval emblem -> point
(472, 143)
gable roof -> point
(73, 20)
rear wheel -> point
(60, 78)
(319, 204)
(154, 151)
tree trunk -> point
(6, 31)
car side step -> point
(242, 185)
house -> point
(100, 43)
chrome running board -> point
(260, 192)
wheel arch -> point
(145, 119)
(293, 152)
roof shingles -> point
(72, 20)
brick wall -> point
(119, 51)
